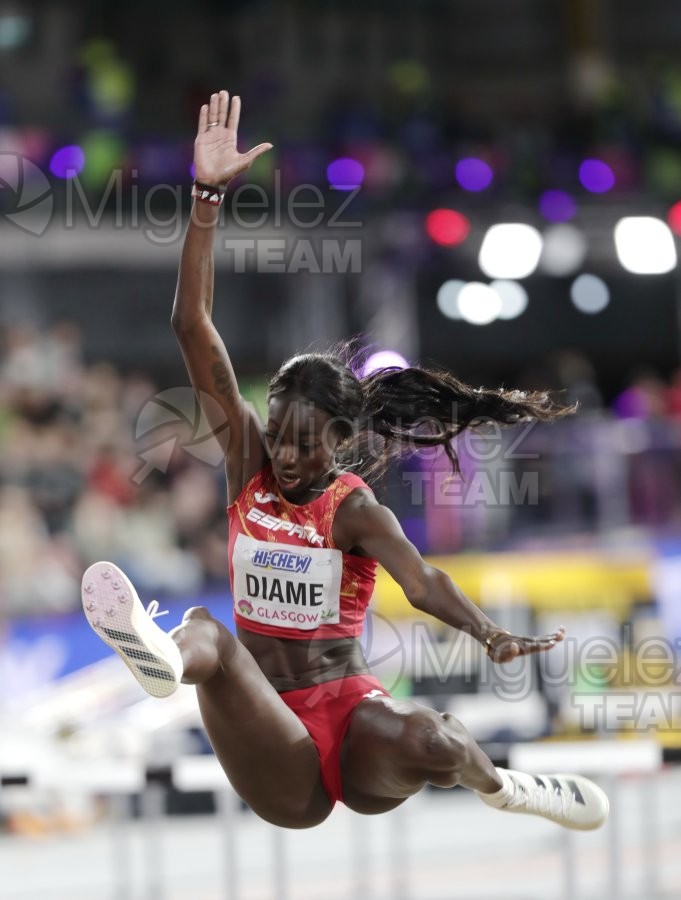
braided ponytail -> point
(428, 408)
(392, 412)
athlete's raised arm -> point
(216, 162)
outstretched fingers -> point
(218, 157)
(223, 106)
(539, 644)
(536, 645)
(234, 114)
(213, 110)
(256, 152)
(510, 646)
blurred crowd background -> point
(412, 130)
(93, 467)
(488, 186)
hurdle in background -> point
(119, 778)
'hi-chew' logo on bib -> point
(283, 586)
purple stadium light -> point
(68, 161)
(596, 176)
(345, 174)
(383, 359)
(557, 206)
(473, 174)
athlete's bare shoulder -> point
(355, 513)
(358, 498)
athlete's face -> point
(301, 442)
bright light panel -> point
(384, 359)
(590, 294)
(511, 250)
(448, 298)
(478, 303)
(513, 298)
(645, 245)
(564, 250)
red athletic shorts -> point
(325, 710)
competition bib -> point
(286, 585)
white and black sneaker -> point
(570, 800)
(117, 615)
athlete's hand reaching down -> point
(216, 158)
(502, 646)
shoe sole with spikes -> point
(117, 616)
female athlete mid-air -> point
(292, 712)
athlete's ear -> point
(341, 428)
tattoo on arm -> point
(221, 380)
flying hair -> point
(393, 412)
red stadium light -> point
(674, 218)
(447, 227)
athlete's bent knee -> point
(196, 612)
(434, 748)
(205, 644)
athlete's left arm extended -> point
(363, 523)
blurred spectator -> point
(576, 376)
(643, 399)
(67, 492)
(78, 485)
(674, 395)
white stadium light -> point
(645, 245)
(513, 298)
(479, 304)
(564, 250)
(590, 294)
(448, 298)
(511, 250)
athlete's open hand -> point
(216, 158)
(504, 646)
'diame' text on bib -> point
(286, 586)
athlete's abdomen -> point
(291, 664)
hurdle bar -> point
(609, 759)
(204, 773)
(117, 777)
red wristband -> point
(208, 193)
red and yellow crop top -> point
(288, 577)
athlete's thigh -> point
(383, 753)
(264, 748)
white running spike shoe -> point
(570, 800)
(117, 615)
